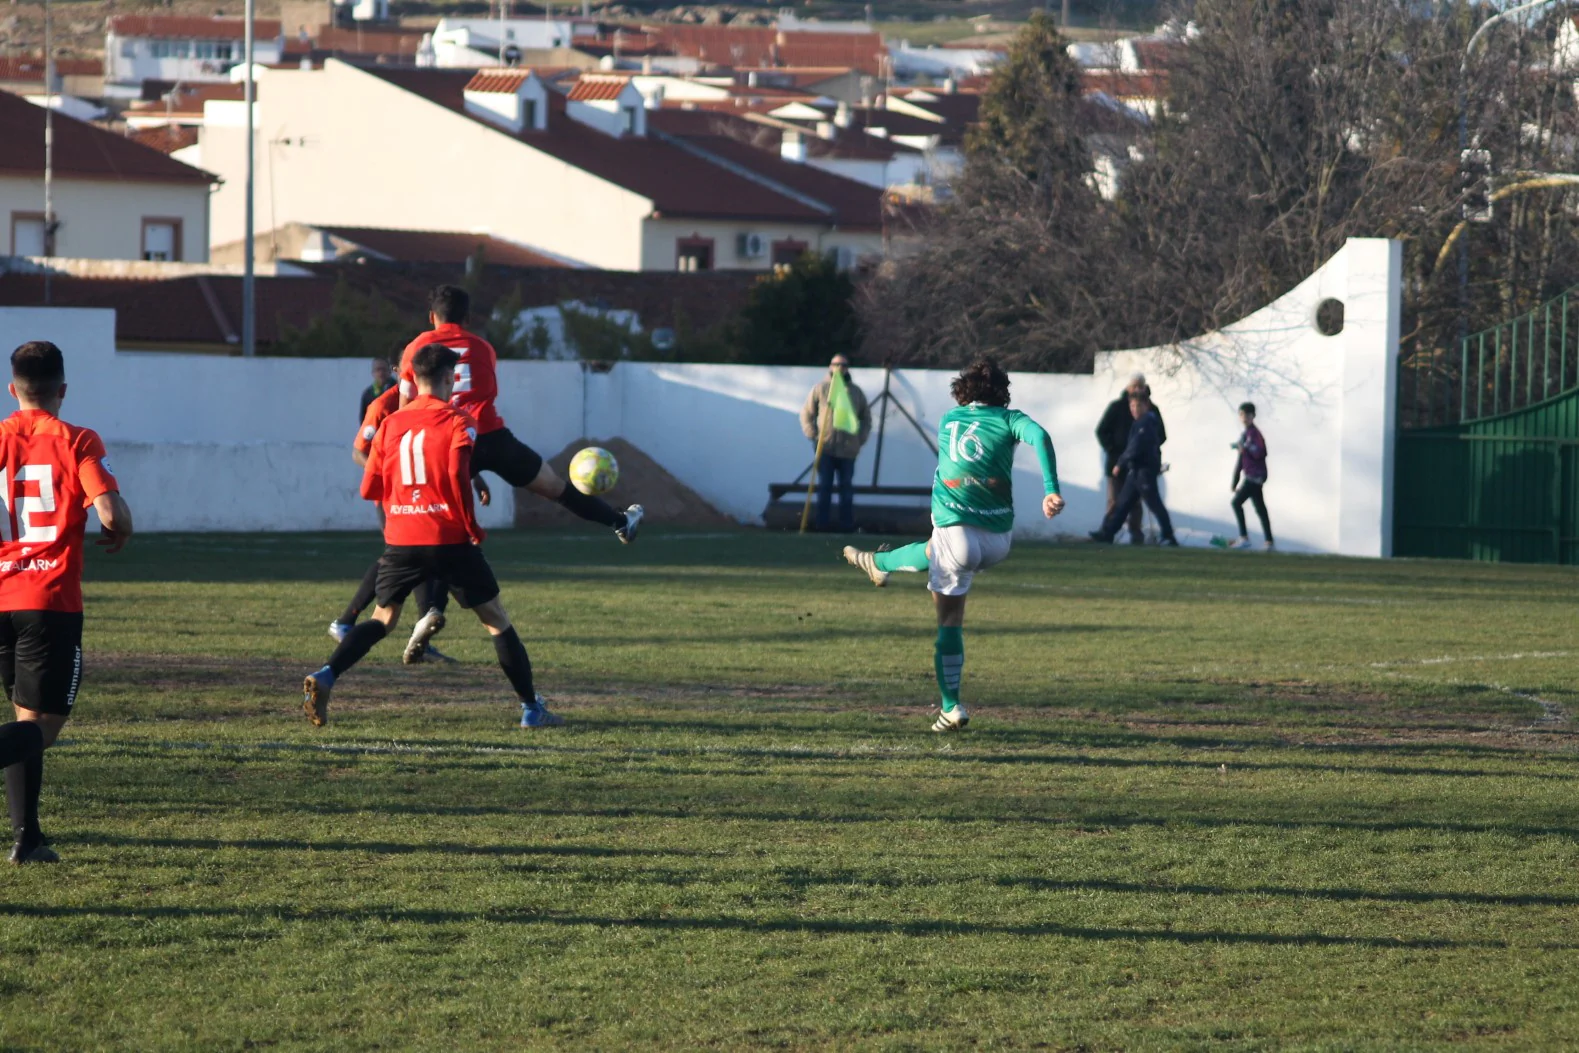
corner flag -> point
(840, 407)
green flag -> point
(840, 407)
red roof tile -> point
(83, 150)
(856, 206)
(167, 139)
(434, 246)
(597, 89)
(1122, 85)
(1158, 54)
(31, 67)
(350, 42)
(190, 99)
(745, 46)
(498, 81)
(182, 27)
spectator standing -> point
(383, 380)
(1251, 468)
(837, 419)
(1113, 435)
(1139, 464)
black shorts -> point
(403, 567)
(41, 659)
(507, 457)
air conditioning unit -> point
(751, 246)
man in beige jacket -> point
(837, 412)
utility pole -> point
(249, 333)
(49, 145)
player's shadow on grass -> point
(383, 848)
(725, 923)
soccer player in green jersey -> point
(972, 514)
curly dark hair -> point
(981, 381)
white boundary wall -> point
(227, 444)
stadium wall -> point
(213, 443)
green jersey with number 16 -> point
(974, 481)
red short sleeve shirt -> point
(50, 473)
(476, 374)
(418, 472)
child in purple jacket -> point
(1251, 465)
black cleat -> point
(39, 853)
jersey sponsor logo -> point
(23, 566)
(436, 508)
(104, 462)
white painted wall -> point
(132, 60)
(234, 460)
(103, 219)
(662, 238)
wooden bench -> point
(912, 514)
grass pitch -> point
(1208, 800)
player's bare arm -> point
(115, 521)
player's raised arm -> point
(372, 472)
(115, 521)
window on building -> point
(694, 254)
(528, 113)
(161, 239)
(128, 49)
(224, 51)
(630, 119)
(27, 233)
(788, 251)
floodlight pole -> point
(49, 146)
(249, 334)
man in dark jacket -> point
(1113, 435)
(383, 380)
(1139, 463)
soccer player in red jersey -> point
(51, 473)
(419, 470)
(498, 451)
(432, 596)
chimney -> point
(751, 80)
(842, 115)
(950, 86)
(826, 130)
(793, 148)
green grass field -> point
(1208, 799)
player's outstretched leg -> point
(22, 745)
(884, 561)
(361, 639)
(596, 510)
(359, 603)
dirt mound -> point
(643, 481)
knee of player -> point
(390, 616)
(492, 614)
(547, 483)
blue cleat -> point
(535, 714)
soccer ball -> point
(594, 471)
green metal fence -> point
(1488, 453)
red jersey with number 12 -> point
(476, 374)
(50, 472)
(419, 471)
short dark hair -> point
(433, 362)
(1248, 407)
(982, 381)
(450, 303)
(38, 368)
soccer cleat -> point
(1266, 546)
(627, 533)
(315, 698)
(427, 627)
(1169, 542)
(951, 720)
(436, 655)
(1239, 542)
(1098, 536)
(339, 630)
(535, 714)
(39, 853)
(867, 561)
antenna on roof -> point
(249, 329)
(49, 143)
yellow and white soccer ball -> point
(594, 471)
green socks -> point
(911, 557)
(948, 659)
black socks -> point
(22, 755)
(357, 643)
(513, 660)
(591, 508)
(434, 592)
(363, 597)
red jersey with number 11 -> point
(50, 472)
(419, 471)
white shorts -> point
(958, 552)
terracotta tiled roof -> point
(434, 246)
(190, 99)
(497, 81)
(181, 27)
(597, 89)
(678, 183)
(1158, 54)
(856, 206)
(167, 139)
(83, 150)
(31, 67)
(1121, 85)
(746, 46)
(349, 42)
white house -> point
(114, 199)
(475, 43)
(580, 176)
(181, 48)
